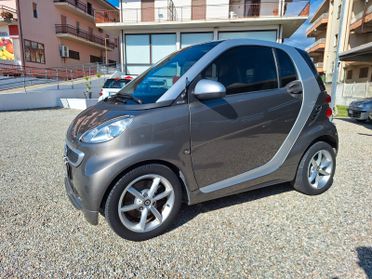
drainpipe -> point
(23, 59)
(337, 60)
(121, 38)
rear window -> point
(115, 83)
(310, 63)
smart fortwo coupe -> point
(208, 121)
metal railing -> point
(359, 15)
(78, 4)
(69, 29)
(205, 12)
(8, 14)
(317, 21)
(15, 76)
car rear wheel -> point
(144, 202)
(316, 170)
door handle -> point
(294, 87)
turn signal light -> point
(328, 112)
(101, 93)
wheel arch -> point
(326, 138)
(174, 168)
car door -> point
(244, 130)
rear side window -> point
(310, 63)
(115, 83)
(244, 69)
(287, 71)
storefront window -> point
(188, 39)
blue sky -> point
(299, 38)
(114, 2)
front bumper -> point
(90, 216)
(357, 114)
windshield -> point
(153, 83)
(115, 83)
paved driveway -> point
(273, 232)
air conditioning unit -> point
(65, 51)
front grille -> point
(355, 114)
(72, 156)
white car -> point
(113, 86)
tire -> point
(132, 196)
(311, 178)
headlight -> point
(107, 131)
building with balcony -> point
(57, 33)
(324, 28)
(355, 76)
(318, 30)
(356, 56)
(151, 29)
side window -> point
(287, 71)
(244, 69)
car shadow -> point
(187, 213)
(367, 124)
(365, 260)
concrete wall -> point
(9, 3)
(47, 96)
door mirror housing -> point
(207, 89)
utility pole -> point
(337, 59)
(106, 59)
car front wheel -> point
(144, 202)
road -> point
(273, 233)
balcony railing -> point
(318, 44)
(172, 13)
(68, 29)
(360, 18)
(79, 5)
(319, 21)
(7, 14)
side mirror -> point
(294, 87)
(207, 89)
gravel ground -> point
(272, 233)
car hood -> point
(367, 101)
(103, 112)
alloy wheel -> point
(320, 169)
(146, 203)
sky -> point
(114, 2)
(298, 39)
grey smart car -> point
(207, 121)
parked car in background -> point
(361, 110)
(113, 85)
(210, 120)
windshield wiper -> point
(123, 97)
